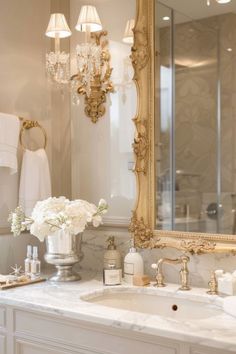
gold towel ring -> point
(28, 124)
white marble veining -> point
(200, 266)
(68, 301)
(94, 243)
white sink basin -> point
(150, 303)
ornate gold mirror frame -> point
(143, 219)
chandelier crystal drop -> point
(88, 64)
(58, 67)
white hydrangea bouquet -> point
(53, 214)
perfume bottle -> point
(112, 275)
(112, 271)
(35, 264)
(111, 255)
(28, 260)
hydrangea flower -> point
(52, 214)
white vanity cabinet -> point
(2, 330)
(26, 331)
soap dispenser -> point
(112, 255)
(133, 264)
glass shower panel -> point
(187, 122)
(196, 119)
(227, 36)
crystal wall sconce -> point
(93, 77)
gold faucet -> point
(183, 260)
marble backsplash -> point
(13, 250)
(94, 244)
(200, 267)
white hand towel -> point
(35, 181)
(9, 136)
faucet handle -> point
(184, 273)
(213, 285)
(159, 275)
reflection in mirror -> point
(102, 153)
(195, 116)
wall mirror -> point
(184, 60)
(87, 161)
(102, 153)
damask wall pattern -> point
(204, 62)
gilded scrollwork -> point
(140, 50)
(198, 246)
(143, 223)
(143, 234)
(140, 147)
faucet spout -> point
(184, 273)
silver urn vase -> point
(64, 251)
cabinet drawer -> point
(3, 349)
(206, 350)
(25, 347)
(2, 317)
(99, 339)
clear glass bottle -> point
(35, 264)
(28, 260)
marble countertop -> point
(66, 300)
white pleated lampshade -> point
(128, 35)
(88, 17)
(58, 27)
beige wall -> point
(25, 91)
(61, 121)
